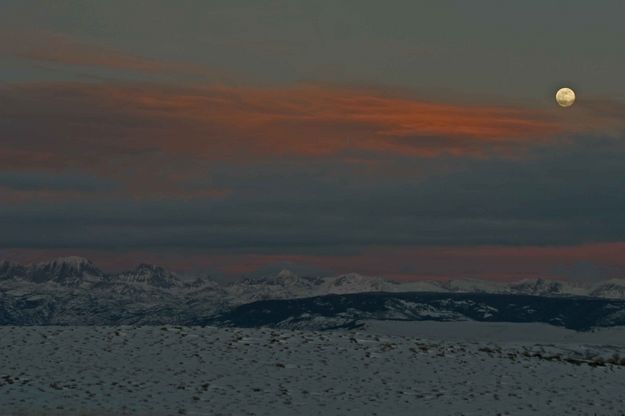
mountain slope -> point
(347, 311)
(65, 271)
(149, 275)
(72, 290)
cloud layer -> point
(56, 124)
(317, 174)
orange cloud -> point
(235, 123)
(150, 136)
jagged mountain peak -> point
(70, 260)
(11, 270)
(150, 274)
(354, 283)
(75, 262)
(614, 288)
(472, 285)
(286, 274)
(150, 267)
(355, 278)
(284, 277)
(66, 271)
(539, 285)
(287, 277)
(8, 264)
(202, 282)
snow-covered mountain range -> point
(286, 285)
(72, 290)
(80, 273)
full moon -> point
(565, 97)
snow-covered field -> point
(498, 332)
(229, 371)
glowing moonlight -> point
(565, 97)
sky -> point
(409, 140)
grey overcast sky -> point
(409, 139)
